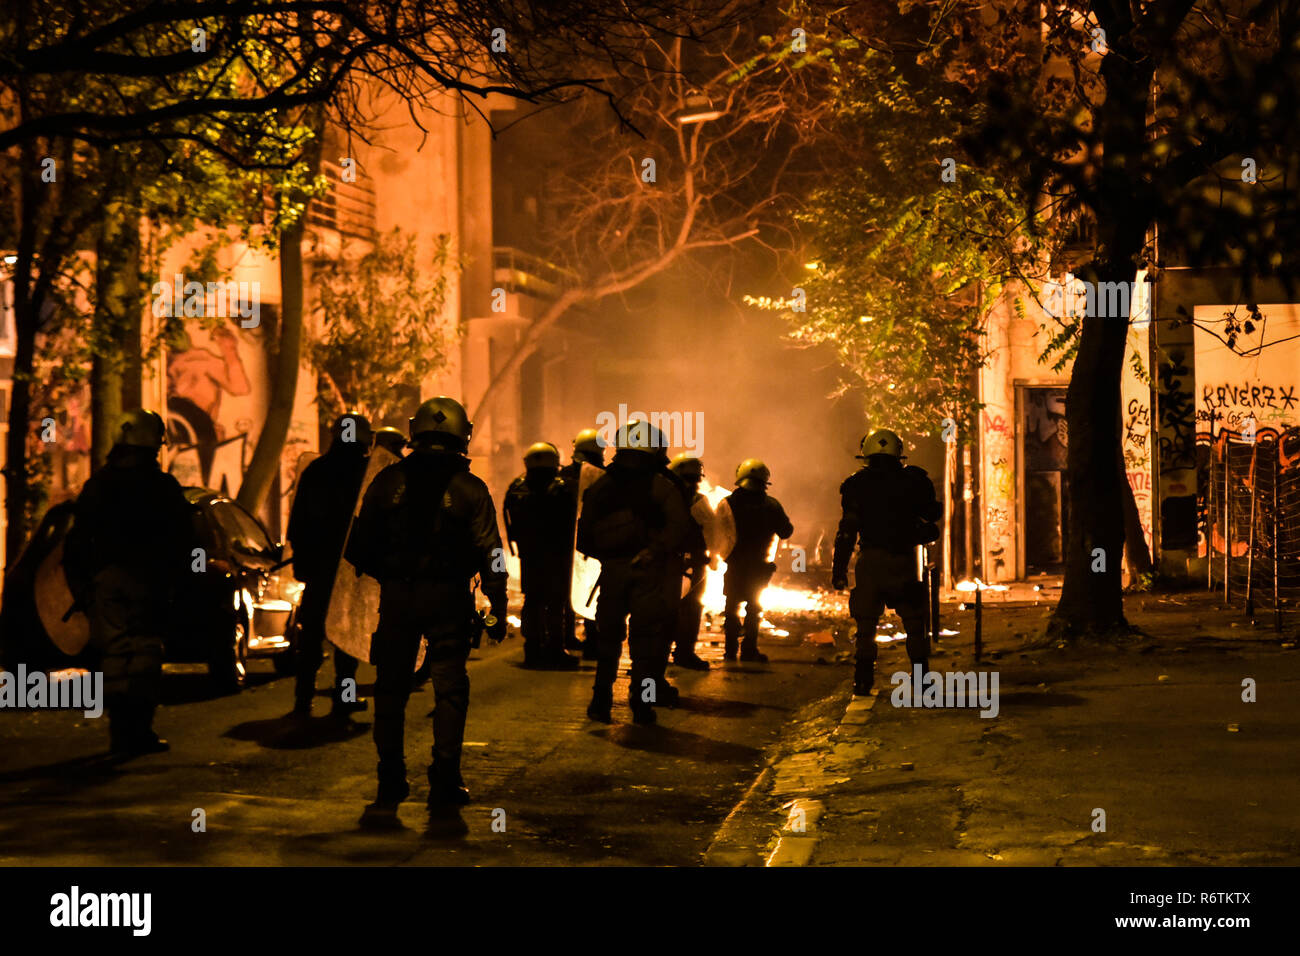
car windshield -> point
(242, 530)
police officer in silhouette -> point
(759, 518)
(427, 528)
(318, 526)
(888, 509)
(539, 515)
(126, 558)
(634, 522)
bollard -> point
(934, 603)
(1277, 537)
(1250, 535)
(979, 623)
(1227, 524)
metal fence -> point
(1252, 523)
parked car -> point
(248, 605)
(242, 607)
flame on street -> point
(775, 597)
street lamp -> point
(698, 109)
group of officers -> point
(427, 530)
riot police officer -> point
(888, 509)
(758, 516)
(391, 439)
(318, 526)
(587, 449)
(689, 472)
(125, 558)
(633, 522)
(427, 527)
(539, 516)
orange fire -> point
(774, 597)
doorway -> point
(1045, 489)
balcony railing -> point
(346, 207)
(523, 273)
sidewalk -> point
(1155, 734)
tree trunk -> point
(117, 317)
(26, 311)
(1137, 555)
(1091, 598)
(1092, 602)
(265, 462)
(17, 492)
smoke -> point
(681, 345)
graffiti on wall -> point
(1135, 414)
(209, 420)
(1257, 392)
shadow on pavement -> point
(714, 707)
(289, 733)
(678, 743)
(194, 687)
(75, 769)
(446, 823)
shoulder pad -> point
(916, 471)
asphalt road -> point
(549, 786)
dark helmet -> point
(542, 454)
(687, 467)
(443, 420)
(882, 441)
(753, 474)
(352, 428)
(141, 428)
(391, 438)
(640, 436)
(587, 442)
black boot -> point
(750, 652)
(146, 741)
(446, 786)
(602, 705)
(119, 724)
(690, 660)
(341, 710)
(558, 660)
(393, 786)
(864, 677)
(130, 728)
(666, 694)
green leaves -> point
(381, 329)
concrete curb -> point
(746, 837)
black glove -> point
(496, 626)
